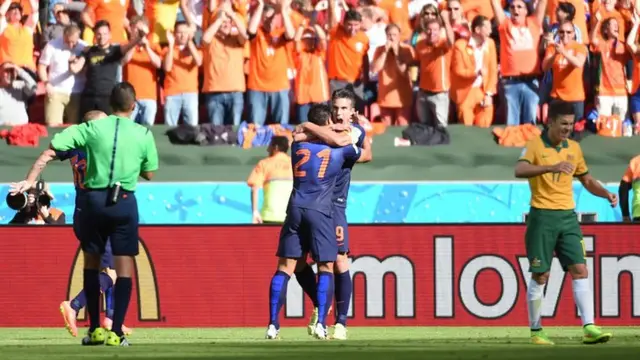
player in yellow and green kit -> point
(550, 162)
(630, 180)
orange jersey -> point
(464, 74)
(114, 12)
(473, 8)
(519, 48)
(614, 56)
(183, 77)
(435, 63)
(395, 89)
(162, 16)
(346, 54)
(268, 62)
(568, 83)
(16, 45)
(275, 175)
(141, 73)
(219, 74)
(311, 83)
(610, 14)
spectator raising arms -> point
(16, 37)
(16, 87)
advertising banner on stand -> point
(413, 275)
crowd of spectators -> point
(225, 61)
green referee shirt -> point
(135, 150)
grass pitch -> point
(384, 343)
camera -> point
(20, 201)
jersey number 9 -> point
(325, 155)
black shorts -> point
(94, 102)
(95, 222)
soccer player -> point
(309, 225)
(343, 112)
(78, 162)
(550, 162)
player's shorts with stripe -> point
(95, 221)
(307, 230)
(342, 230)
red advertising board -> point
(419, 275)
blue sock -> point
(343, 297)
(91, 284)
(307, 280)
(122, 296)
(108, 299)
(277, 296)
(79, 301)
(325, 295)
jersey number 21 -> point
(306, 154)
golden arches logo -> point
(146, 284)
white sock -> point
(535, 294)
(583, 296)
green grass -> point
(388, 343)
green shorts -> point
(553, 230)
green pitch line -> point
(380, 343)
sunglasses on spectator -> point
(454, 8)
(429, 13)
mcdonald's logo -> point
(146, 284)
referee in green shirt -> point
(118, 152)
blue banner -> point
(379, 202)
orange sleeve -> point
(91, 5)
(458, 64)
(628, 175)
(256, 178)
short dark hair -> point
(568, 8)
(392, 26)
(123, 97)
(560, 108)
(344, 93)
(280, 143)
(478, 21)
(180, 23)
(71, 29)
(102, 23)
(319, 114)
(352, 15)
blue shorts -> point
(307, 230)
(95, 222)
(634, 103)
(342, 229)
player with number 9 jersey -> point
(309, 225)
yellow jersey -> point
(553, 191)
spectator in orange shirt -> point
(566, 59)
(398, 13)
(181, 62)
(395, 90)
(433, 53)
(311, 83)
(606, 9)
(474, 75)
(613, 55)
(224, 85)
(573, 10)
(634, 48)
(519, 58)
(16, 38)
(348, 63)
(141, 64)
(268, 82)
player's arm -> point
(150, 162)
(590, 183)
(367, 154)
(326, 135)
(525, 168)
(255, 182)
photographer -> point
(37, 210)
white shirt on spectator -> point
(478, 55)
(56, 56)
(13, 99)
(377, 37)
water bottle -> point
(627, 128)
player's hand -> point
(613, 199)
(44, 211)
(626, 219)
(562, 167)
(256, 219)
(20, 187)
